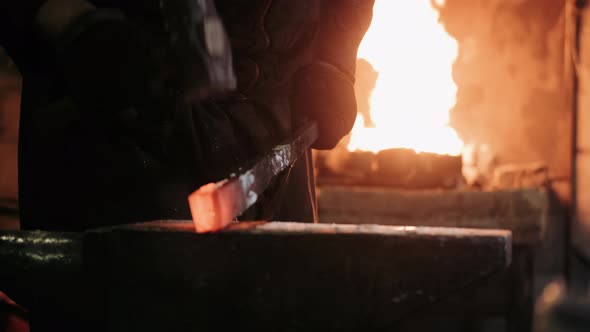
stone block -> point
(523, 211)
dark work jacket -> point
(79, 170)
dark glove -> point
(325, 94)
(324, 90)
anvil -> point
(162, 276)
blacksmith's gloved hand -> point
(325, 94)
(324, 89)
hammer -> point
(215, 206)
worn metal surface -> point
(285, 276)
(253, 276)
(216, 205)
(43, 271)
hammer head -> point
(199, 47)
(192, 41)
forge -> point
(439, 142)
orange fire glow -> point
(415, 91)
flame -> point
(415, 91)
